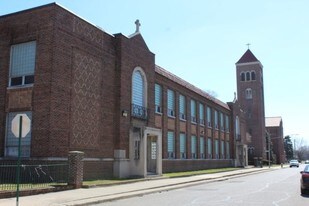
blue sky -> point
(201, 40)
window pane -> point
(182, 107)
(202, 147)
(158, 98)
(170, 141)
(29, 79)
(138, 89)
(209, 116)
(16, 81)
(170, 102)
(12, 141)
(23, 59)
(193, 146)
(202, 114)
(209, 148)
(182, 144)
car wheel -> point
(302, 191)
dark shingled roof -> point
(189, 86)
(247, 57)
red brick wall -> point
(256, 105)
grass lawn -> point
(165, 175)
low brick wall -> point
(191, 165)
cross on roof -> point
(248, 45)
(137, 25)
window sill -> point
(20, 86)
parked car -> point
(304, 180)
(307, 162)
(294, 163)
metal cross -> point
(137, 25)
(248, 45)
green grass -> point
(165, 175)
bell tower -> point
(250, 89)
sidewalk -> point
(103, 194)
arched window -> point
(139, 93)
(249, 93)
(248, 76)
(242, 76)
(253, 75)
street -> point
(278, 187)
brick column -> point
(76, 166)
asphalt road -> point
(278, 187)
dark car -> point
(304, 180)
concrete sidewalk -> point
(102, 194)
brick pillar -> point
(76, 166)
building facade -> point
(274, 127)
(250, 89)
(86, 90)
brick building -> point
(274, 127)
(86, 90)
(250, 89)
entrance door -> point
(152, 155)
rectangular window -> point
(22, 64)
(227, 123)
(158, 98)
(227, 150)
(170, 145)
(182, 107)
(221, 121)
(209, 117)
(217, 149)
(193, 111)
(202, 121)
(170, 103)
(193, 147)
(183, 144)
(222, 149)
(11, 143)
(202, 148)
(209, 148)
(216, 120)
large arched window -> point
(139, 93)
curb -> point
(157, 189)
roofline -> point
(25, 10)
(249, 63)
(59, 5)
(210, 98)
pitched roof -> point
(247, 57)
(273, 121)
(189, 86)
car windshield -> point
(293, 161)
(306, 169)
